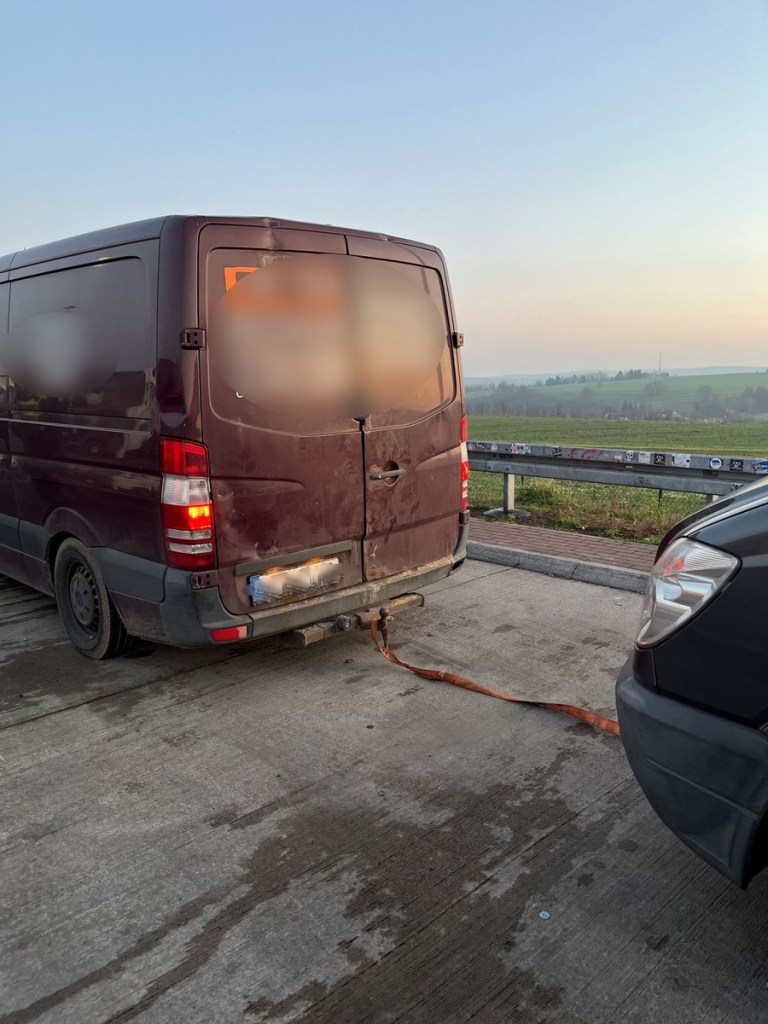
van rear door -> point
(331, 413)
(412, 432)
(286, 472)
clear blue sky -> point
(596, 171)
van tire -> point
(89, 616)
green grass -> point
(674, 389)
(623, 513)
(630, 513)
(643, 435)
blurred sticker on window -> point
(233, 274)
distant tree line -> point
(710, 405)
(505, 399)
(589, 378)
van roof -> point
(142, 230)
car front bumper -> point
(705, 776)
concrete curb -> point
(566, 568)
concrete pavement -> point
(256, 834)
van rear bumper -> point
(185, 617)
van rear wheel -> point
(86, 609)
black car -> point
(693, 698)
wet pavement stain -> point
(425, 903)
(463, 861)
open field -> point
(674, 389)
(624, 513)
(713, 395)
(629, 513)
(662, 435)
(681, 390)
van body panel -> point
(84, 457)
(284, 486)
(83, 460)
(10, 555)
(276, 488)
(413, 518)
(271, 238)
(396, 251)
(300, 508)
(178, 370)
(185, 616)
(98, 242)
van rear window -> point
(316, 339)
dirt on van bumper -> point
(185, 617)
(160, 603)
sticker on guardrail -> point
(659, 459)
(715, 462)
(760, 466)
(681, 460)
(644, 458)
(736, 465)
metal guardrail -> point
(713, 475)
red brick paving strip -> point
(578, 546)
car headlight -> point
(685, 578)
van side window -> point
(80, 341)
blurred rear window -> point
(304, 343)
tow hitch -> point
(354, 620)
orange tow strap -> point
(581, 714)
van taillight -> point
(186, 507)
(183, 458)
(464, 466)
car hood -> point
(752, 496)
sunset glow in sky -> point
(595, 172)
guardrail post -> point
(508, 498)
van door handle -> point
(385, 474)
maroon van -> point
(214, 429)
